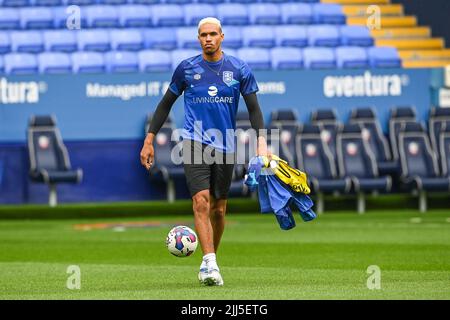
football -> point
(181, 241)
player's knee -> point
(201, 203)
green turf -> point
(323, 259)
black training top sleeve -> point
(254, 111)
(162, 111)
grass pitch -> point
(323, 259)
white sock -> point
(203, 265)
(210, 260)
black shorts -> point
(207, 169)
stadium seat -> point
(16, 3)
(54, 63)
(20, 63)
(419, 165)
(233, 37)
(358, 163)
(325, 13)
(67, 17)
(112, 2)
(444, 150)
(264, 13)
(164, 169)
(319, 58)
(296, 13)
(27, 41)
(323, 36)
(286, 121)
(438, 118)
(2, 64)
(9, 18)
(399, 115)
(187, 38)
(210, 1)
(285, 58)
(79, 2)
(384, 57)
(135, 16)
(258, 36)
(168, 15)
(60, 40)
(182, 54)
(145, 2)
(160, 38)
(232, 14)
(329, 126)
(102, 16)
(49, 159)
(355, 36)
(154, 60)
(372, 133)
(184, 2)
(314, 157)
(5, 42)
(256, 58)
(88, 62)
(291, 36)
(93, 40)
(351, 57)
(121, 61)
(194, 12)
(47, 3)
(126, 39)
(36, 18)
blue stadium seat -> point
(182, 54)
(328, 13)
(315, 158)
(2, 66)
(384, 57)
(356, 36)
(47, 3)
(243, 1)
(54, 63)
(60, 40)
(232, 14)
(154, 60)
(36, 18)
(329, 126)
(187, 38)
(444, 150)
(145, 2)
(351, 57)
(27, 41)
(101, 16)
(296, 13)
(209, 1)
(126, 39)
(93, 40)
(15, 3)
(371, 132)
(260, 13)
(194, 12)
(64, 16)
(177, 1)
(398, 116)
(135, 16)
(285, 58)
(88, 62)
(291, 36)
(286, 121)
(121, 61)
(160, 38)
(256, 58)
(9, 18)
(168, 15)
(357, 162)
(48, 156)
(437, 118)
(323, 36)
(20, 63)
(319, 58)
(233, 37)
(5, 42)
(419, 165)
(112, 2)
(258, 36)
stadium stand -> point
(49, 160)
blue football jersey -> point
(211, 97)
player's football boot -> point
(202, 275)
(213, 278)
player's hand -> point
(147, 155)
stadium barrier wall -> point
(102, 118)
